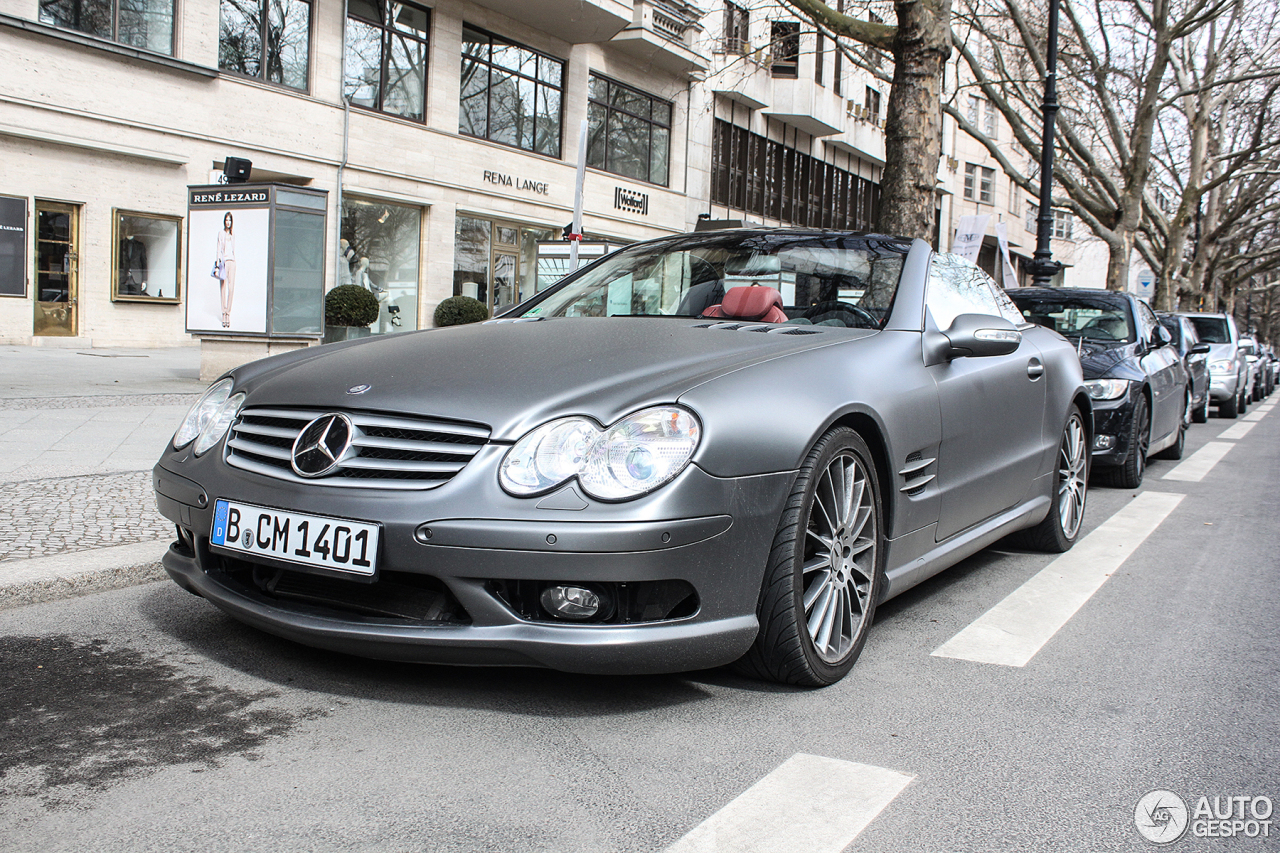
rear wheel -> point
(1201, 415)
(1129, 475)
(1061, 527)
(1174, 451)
(824, 574)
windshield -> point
(1211, 329)
(825, 280)
(1099, 320)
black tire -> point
(1061, 527)
(1129, 475)
(1229, 408)
(1244, 402)
(821, 561)
(1201, 415)
(1175, 450)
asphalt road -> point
(142, 719)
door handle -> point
(1035, 369)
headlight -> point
(213, 431)
(201, 413)
(1107, 389)
(633, 457)
(1221, 366)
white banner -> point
(1002, 237)
(968, 238)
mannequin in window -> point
(226, 267)
(346, 255)
(133, 267)
(366, 281)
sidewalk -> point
(79, 432)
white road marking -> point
(1256, 415)
(1012, 632)
(1236, 432)
(809, 804)
(1202, 461)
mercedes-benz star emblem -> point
(322, 444)
(358, 389)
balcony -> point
(575, 21)
(661, 36)
(804, 104)
(738, 74)
(863, 135)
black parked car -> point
(1195, 358)
(1132, 371)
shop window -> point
(379, 251)
(496, 262)
(510, 93)
(979, 183)
(145, 24)
(386, 65)
(266, 39)
(785, 48)
(629, 132)
(148, 257)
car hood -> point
(1218, 352)
(513, 376)
(1098, 361)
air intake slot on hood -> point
(757, 327)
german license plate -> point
(337, 544)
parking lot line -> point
(809, 804)
(1237, 432)
(1012, 632)
(1202, 461)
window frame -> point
(263, 21)
(652, 123)
(494, 38)
(117, 235)
(979, 183)
(387, 32)
(784, 35)
(114, 38)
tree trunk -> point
(1121, 246)
(913, 126)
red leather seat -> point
(754, 302)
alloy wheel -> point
(1073, 459)
(839, 557)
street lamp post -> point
(1043, 267)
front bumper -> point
(1113, 428)
(711, 533)
(1223, 386)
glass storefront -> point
(496, 262)
(380, 248)
(147, 264)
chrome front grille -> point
(387, 451)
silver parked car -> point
(1228, 367)
(718, 448)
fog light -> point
(570, 602)
(1104, 442)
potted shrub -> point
(459, 310)
(348, 311)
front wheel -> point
(1201, 415)
(825, 570)
(1061, 527)
(1129, 475)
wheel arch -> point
(869, 430)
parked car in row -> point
(1228, 367)
(1195, 359)
(703, 449)
(1260, 384)
(1134, 375)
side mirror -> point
(1163, 338)
(980, 335)
(1199, 349)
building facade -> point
(444, 134)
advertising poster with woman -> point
(227, 268)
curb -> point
(43, 579)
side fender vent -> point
(917, 474)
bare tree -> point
(1114, 79)
(919, 46)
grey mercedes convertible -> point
(715, 448)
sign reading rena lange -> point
(504, 180)
(630, 201)
(230, 196)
